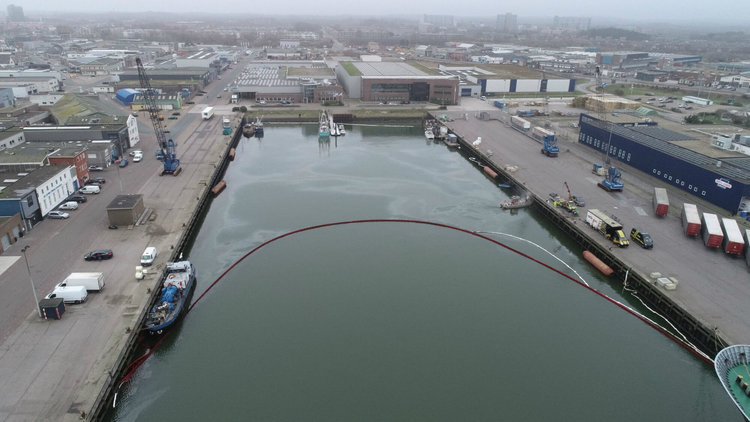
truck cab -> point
(618, 238)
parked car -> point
(135, 151)
(99, 180)
(148, 256)
(172, 117)
(98, 254)
(642, 238)
(578, 199)
(123, 162)
(176, 113)
(96, 168)
(138, 157)
(70, 205)
(90, 189)
(77, 198)
(58, 214)
(93, 182)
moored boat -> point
(258, 127)
(342, 130)
(428, 134)
(173, 300)
(731, 365)
(451, 141)
(516, 201)
(323, 130)
(248, 130)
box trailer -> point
(711, 230)
(92, 281)
(607, 226)
(520, 124)
(661, 202)
(207, 113)
(733, 242)
(691, 220)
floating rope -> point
(133, 366)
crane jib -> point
(167, 153)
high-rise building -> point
(507, 23)
(15, 13)
(446, 21)
(572, 23)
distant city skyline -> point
(731, 11)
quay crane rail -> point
(166, 153)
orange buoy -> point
(490, 172)
(231, 154)
(596, 262)
(219, 187)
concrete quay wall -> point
(126, 355)
(700, 334)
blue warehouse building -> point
(724, 182)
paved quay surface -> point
(713, 286)
(53, 370)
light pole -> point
(33, 289)
(118, 174)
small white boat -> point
(342, 130)
(429, 134)
(323, 130)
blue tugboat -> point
(258, 127)
(174, 299)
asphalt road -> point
(52, 370)
(712, 286)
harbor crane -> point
(166, 153)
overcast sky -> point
(629, 10)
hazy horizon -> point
(699, 13)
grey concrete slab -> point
(713, 287)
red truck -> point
(711, 230)
(691, 220)
(661, 202)
(733, 243)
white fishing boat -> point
(342, 130)
(429, 134)
(324, 130)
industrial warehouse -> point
(699, 163)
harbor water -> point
(397, 320)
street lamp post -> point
(118, 174)
(33, 289)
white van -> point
(148, 257)
(70, 205)
(90, 189)
(69, 294)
